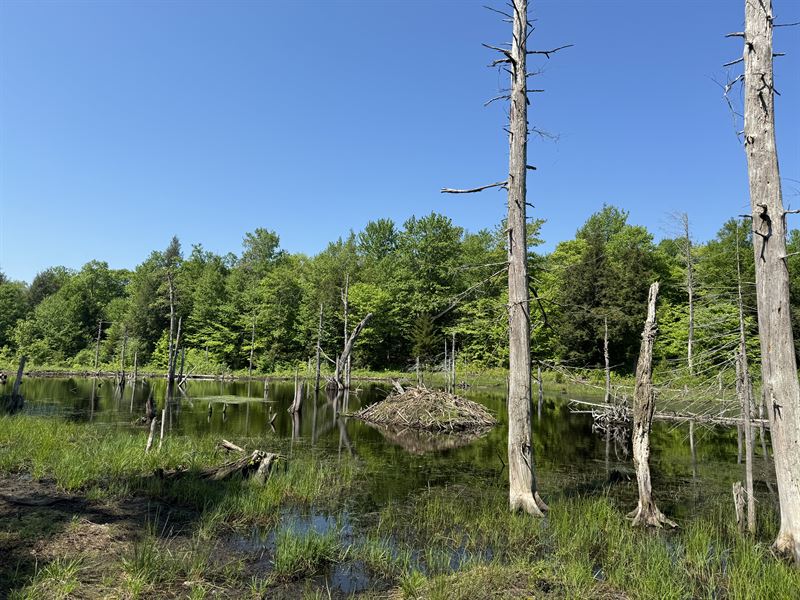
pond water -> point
(571, 458)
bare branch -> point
(502, 97)
(733, 62)
(499, 12)
(500, 184)
(547, 53)
(530, 167)
(735, 34)
(786, 24)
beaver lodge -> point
(421, 409)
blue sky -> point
(123, 123)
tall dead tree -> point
(778, 363)
(646, 512)
(252, 346)
(687, 253)
(744, 390)
(319, 351)
(523, 494)
(346, 310)
(607, 362)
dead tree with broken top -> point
(778, 364)
(646, 512)
(523, 492)
(343, 359)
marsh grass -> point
(57, 579)
(300, 555)
(441, 542)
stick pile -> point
(428, 410)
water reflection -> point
(691, 468)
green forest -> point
(423, 281)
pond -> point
(571, 458)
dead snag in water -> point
(522, 489)
(646, 513)
(341, 363)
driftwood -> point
(256, 465)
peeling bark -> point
(646, 513)
(778, 363)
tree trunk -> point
(252, 346)
(744, 390)
(341, 362)
(523, 494)
(778, 364)
(690, 291)
(319, 350)
(646, 513)
(297, 403)
(607, 364)
(97, 344)
(18, 380)
(170, 347)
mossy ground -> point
(81, 515)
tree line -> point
(423, 282)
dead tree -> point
(607, 364)
(319, 350)
(687, 253)
(523, 494)
(342, 361)
(778, 363)
(346, 308)
(97, 344)
(646, 513)
(744, 390)
(18, 380)
(297, 403)
(252, 346)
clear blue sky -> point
(123, 123)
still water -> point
(572, 459)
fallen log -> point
(622, 413)
(257, 465)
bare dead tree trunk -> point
(778, 363)
(18, 381)
(135, 367)
(684, 219)
(646, 513)
(453, 362)
(523, 493)
(605, 357)
(445, 368)
(97, 344)
(297, 403)
(122, 359)
(744, 390)
(170, 347)
(252, 346)
(172, 360)
(341, 362)
(346, 303)
(319, 349)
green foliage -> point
(422, 281)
